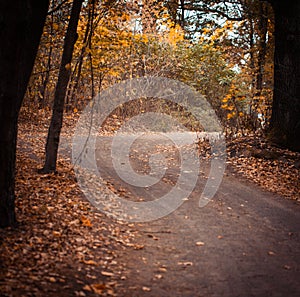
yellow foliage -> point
(55, 26)
(231, 102)
(211, 35)
(230, 116)
(206, 30)
(113, 72)
(175, 35)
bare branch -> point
(207, 9)
(57, 7)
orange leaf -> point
(86, 222)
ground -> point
(244, 242)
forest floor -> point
(245, 242)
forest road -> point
(244, 242)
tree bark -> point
(285, 119)
(71, 99)
(21, 26)
(61, 89)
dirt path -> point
(243, 243)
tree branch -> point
(212, 10)
(57, 7)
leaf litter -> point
(273, 168)
(63, 247)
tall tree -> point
(285, 120)
(61, 89)
(21, 26)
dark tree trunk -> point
(71, 99)
(285, 120)
(182, 19)
(61, 89)
(21, 26)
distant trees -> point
(243, 32)
(273, 67)
(21, 26)
(121, 39)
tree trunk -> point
(71, 99)
(61, 89)
(21, 26)
(263, 30)
(285, 120)
(182, 18)
(42, 97)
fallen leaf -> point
(138, 246)
(86, 222)
(188, 263)
(200, 243)
(89, 262)
(107, 273)
(98, 288)
(158, 276)
(87, 288)
(56, 233)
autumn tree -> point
(60, 91)
(284, 123)
(122, 39)
(21, 26)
